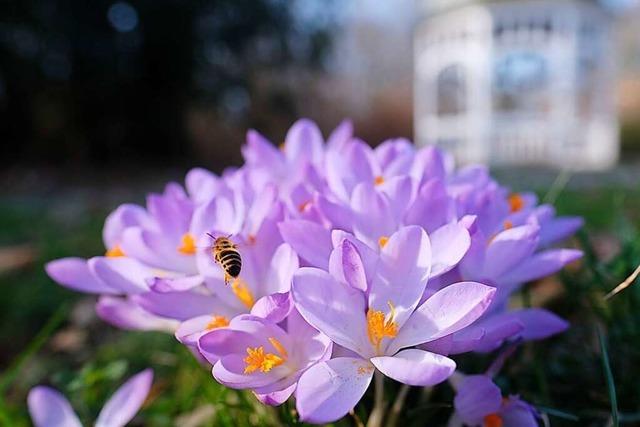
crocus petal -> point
(190, 330)
(178, 305)
(447, 311)
(509, 248)
(403, 270)
(177, 284)
(124, 216)
(345, 264)
(260, 209)
(314, 345)
(400, 192)
(276, 398)
(126, 401)
(449, 244)
(125, 314)
(273, 308)
(329, 390)
(496, 329)
(368, 256)
(49, 408)
(304, 142)
(218, 214)
(539, 323)
(338, 214)
(283, 264)
(461, 342)
(311, 241)
(477, 396)
(125, 274)
(348, 167)
(415, 367)
(172, 210)
(540, 265)
(259, 151)
(559, 229)
(201, 184)
(74, 273)
(332, 307)
(373, 217)
(428, 163)
(517, 413)
(340, 135)
(432, 208)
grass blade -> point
(40, 339)
(611, 386)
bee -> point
(226, 254)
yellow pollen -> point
(508, 225)
(242, 292)
(364, 370)
(282, 146)
(380, 327)
(378, 180)
(114, 252)
(257, 359)
(516, 203)
(217, 322)
(492, 420)
(303, 206)
(279, 347)
(382, 241)
(187, 244)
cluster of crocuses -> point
(355, 261)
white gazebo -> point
(514, 82)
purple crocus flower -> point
(506, 261)
(49, 408)
(479, 403)
(254, 353)
(141, 245)
(379, 323)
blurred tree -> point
(113, 82)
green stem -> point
(392, 421)
(611, 386)
(377, 414)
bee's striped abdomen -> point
(230, 261)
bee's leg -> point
(226, 279)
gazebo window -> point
(451, 91)
(520, 80)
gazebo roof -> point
(438, 6)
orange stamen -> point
(382, 241)
(378, 180)
(303, 206)
(217, 322)
(493, 420)
(279, 347)
(242, 292)
(187, 244)
(380, 327)
(114, 252)
(516, 202)
(257, 360)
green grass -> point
(563, 376)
